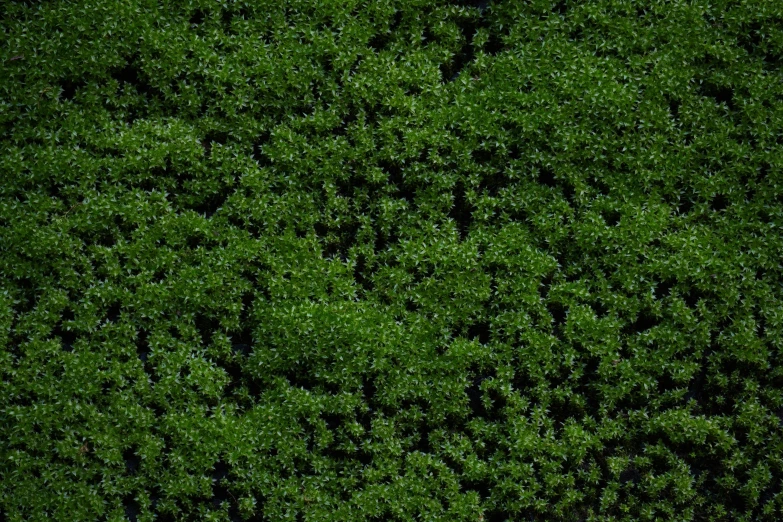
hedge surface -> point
(391, 260)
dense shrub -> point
(391, 260)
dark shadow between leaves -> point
(479, 332)
(461, 213)
(719, 203)
(132, 461)
(131, 508)
(643, 322)
(70, 87)
(546, 176)
(380, 40)
(721, 94)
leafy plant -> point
(391, 260)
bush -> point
(391, 260)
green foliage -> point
(391, 260)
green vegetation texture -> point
(391, 260)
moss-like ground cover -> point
(391, 260)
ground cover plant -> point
(391, 260)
